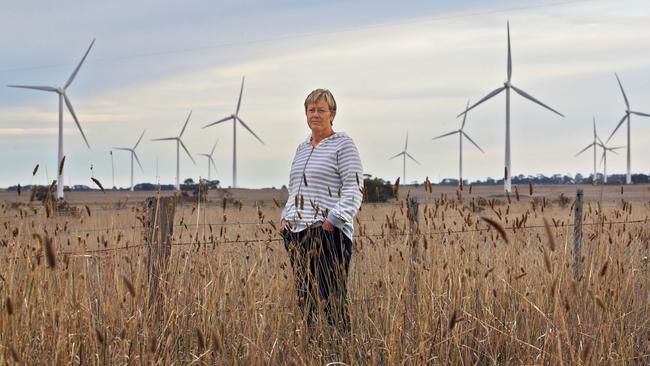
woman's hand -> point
(285, 225)
(328, 226)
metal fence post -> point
(577, 234)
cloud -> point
(31, 131)
(414, 74)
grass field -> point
(74, 288)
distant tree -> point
(81, 187)
(144, 187)
(212, 184)
(377, 189)
(449, 182)
(189, 185)
(640, 178)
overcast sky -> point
(392, 66)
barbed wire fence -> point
(443, 199)
(409, 234)
(393, 235)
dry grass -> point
(227, 295)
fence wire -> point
(216, 242)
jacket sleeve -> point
(351, 173)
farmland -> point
(74, 287)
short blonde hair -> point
(323, 94)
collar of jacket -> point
(335, 136)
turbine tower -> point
(179, 144)
(235, 118)
(210, 160)
(507, 85)
(404, 154)
(603, 159)
(595, 145)
(626, 116)
(63, 97)
(133, 155)
(461, 134)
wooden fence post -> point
(159, 229)
(577, 234)
(413, 239)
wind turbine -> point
(61, 91)
(626, 116)
(595, 145)
(210, 160)
(235, 118)
(603, 159)
(507, 85)
(133, 155)
(179, 144)
(461, 134)
(404, 154)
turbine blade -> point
(140, 139)
(241, 91)
(185, 125)
(445, 135)
(213, 147)
(640, 114)
(509, 56)
(74, 116)
(615, 148)
(627, 103)
(412, 158)
(43, 88)
(76, 70)
(613, 151)
(490, 95)
(249, 130)
(187, 151)
(464, 116)
(602, 158)
(529, 97)
(585, 149)
(219, 121)
(213, 164)
(165, 139)
(472, 141)
(393, 157)
(122, 148)
(406, 143)
(595, 135)
(138, 161)
(617, 127)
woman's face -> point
(319, 117)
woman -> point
(325, 193)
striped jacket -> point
(326, 182)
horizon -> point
(447, 181)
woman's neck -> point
(316, 138)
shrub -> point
(377, 189)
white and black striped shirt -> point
(326, 182)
